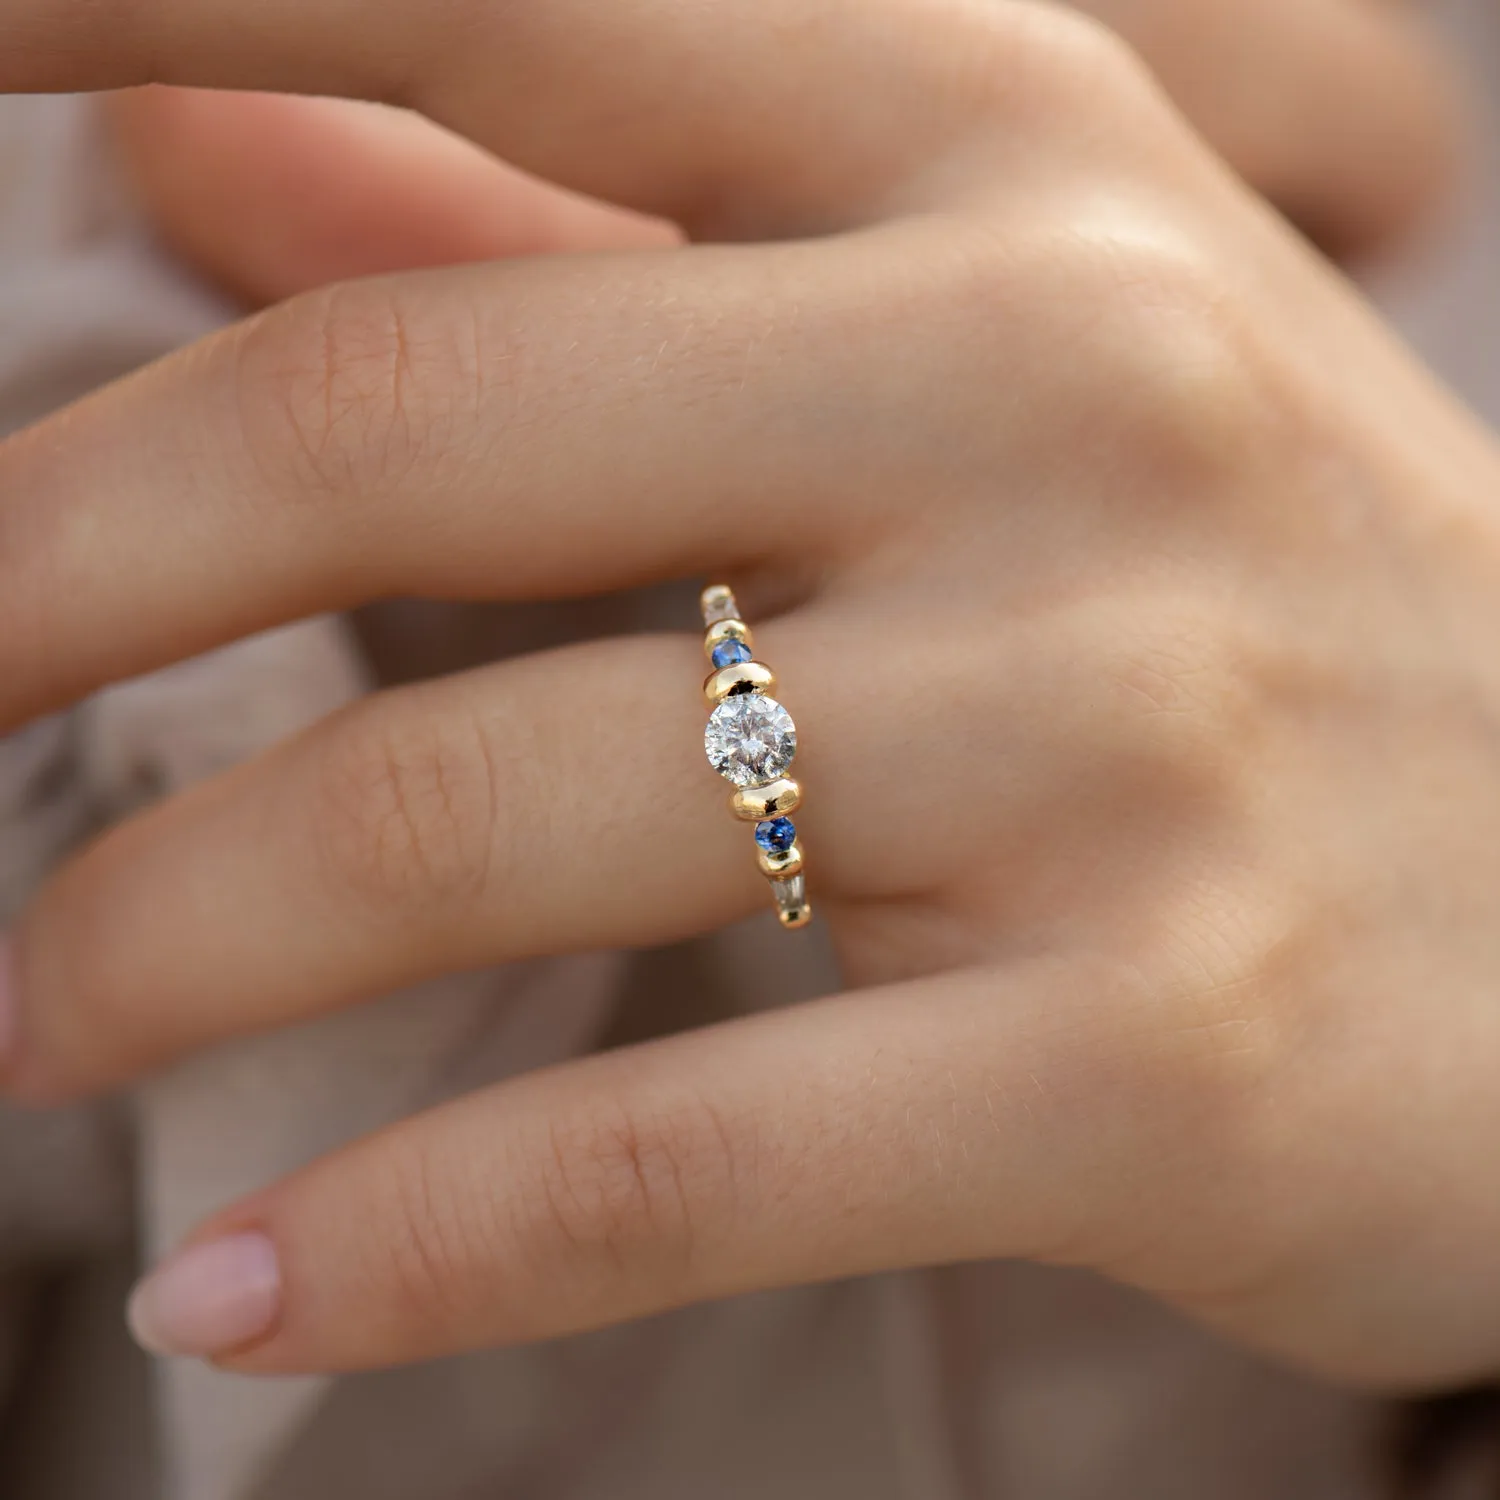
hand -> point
(1135, 594)
(1340, 111)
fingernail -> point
(209, 1299)
(8, 1013)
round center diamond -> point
(750, 739)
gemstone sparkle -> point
(719, 604)
(731, 653)
(750, 739)
(776, 835)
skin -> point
(1340, 111)
(1135, 593)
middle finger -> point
(504, 432)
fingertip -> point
(210, 1299)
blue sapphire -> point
(776, 836)
(730, 653)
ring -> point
(751, 741)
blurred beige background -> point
(1445, 293)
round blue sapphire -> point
(776, 836)
(730, 653)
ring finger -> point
(554, 803)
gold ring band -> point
(751, 741)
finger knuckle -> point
(1179, 1049)
(1217, 958)
(1191, 1038)
(346, 391)
(1180, 380)
(1063, 64)
(1203, 938)
(1177, 705)
(630, 1185)
(1174, 382)
(1217, 1047)
(1046, 70)
(436, 1246)
(406, 808)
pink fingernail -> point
(209, 1299)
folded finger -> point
(272, 194)
(702, 115)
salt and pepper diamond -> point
(750, 739)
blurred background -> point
(1444, 291)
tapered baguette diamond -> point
(719, 604)
(750, 739)
(791, 901)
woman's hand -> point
(1340, 111)
(1135, 594)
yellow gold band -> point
(750, 741)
